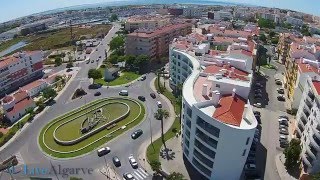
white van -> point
(124, 93)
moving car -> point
(103, 151)
(141, 98)
(143, 78)
(116, 161)
(97, 93)
(159, 104)
(94, 86)
(153, 95)
(128, 176)
(133, 162)
(124, 93)
(92, 61)
(136, 134)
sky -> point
(11, 9)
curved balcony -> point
(299, 131)
(305, 160)
(309, 152)
(313, 142)
(316, 131)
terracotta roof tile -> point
(316, 84)
(230, 110)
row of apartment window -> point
(208, 127)
(201, 167)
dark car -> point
(281, 98)
(141, 98)
(153, 95)
(256, 113)
(258, 119)
(94, 86)
(258, 95)
(136, 134)
(97, 93)
(284, 144)
(69, 70)
(128, 176)
(116, 161)
(88, 62)
(281, 91)
(283, 123)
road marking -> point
(143, 173)
(19, 158)
(137, 174)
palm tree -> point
(175, 176)
(160, 114)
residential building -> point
(192, 12)
(15, 105)
(308, 125)
(146, 22)
(111, 73)
(271, 16)
(223, 15)
(19, 69)
(294, 21)
(35, 87)
(217, 117)
(155, 43)
(175, 11)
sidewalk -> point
(142, 151)
(174, 160)
(110, 173)
(281, 168)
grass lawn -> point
(269, 66)
(7, 44)
(153, 150)
(50, 142)
(125, 78)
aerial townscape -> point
(173, 91)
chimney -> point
(234, 91)
(215, 97)
(204, 89)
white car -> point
(123, 93)
(284, 137)
(133, 161)
(282, 119)
(258, 105)
(159, 104)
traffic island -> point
(88, 127)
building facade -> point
(155, 43)
(19, 69)
(146, 22)
(308, 125)
(218, 123)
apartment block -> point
(155, 43)
(308, 125)
(146, 22)
(19, 69)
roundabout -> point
(84, 129)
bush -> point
(1, 134)
(103, 66)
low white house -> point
(111, 73)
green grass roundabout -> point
(90, 126)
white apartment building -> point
(192, 12)
(146, 22)
(222, 15)
(218, 121)
(294, 21)
(270, 16)
(308, 125)
(19, 69)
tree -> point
(263, 38)
(305, 30)
(292, 153)
(30, 111)
(266, 23)
(113, 59)
(40, 104)
(49, 92)
(116, 43)
(272, 33)
(130, 59)
(175, 176)
(113, 17)
(141, 62)
(160, 114)
(94, 74)
(155, 165)
(57, 61)
(75, 178)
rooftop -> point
(19, 106)
(316, 85)
(307, 68)
(33, 85)
(226, 70)
(230, 110)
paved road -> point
(26, 145)
(269, 146)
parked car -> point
(284, 144)
(116, 161)
(284, 117)
(250, 167)
(141, 98)
(258, 91)
(94, 86)
(283, 126)
(128, 176)
(283, 123)
(258, 105)
(284, 137)
(258, 119)
(97, 93)
(103, 151)
(256, 113)
(159, 104)
(283, 131)
(133, 161)
(124, 93)
(251, 159)
(88, 62)
(279, 82)
(280, 91)
(153, 95)
(281, 98)
(136, 134)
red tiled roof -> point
(316, 84)
(18, 107)
(238, 74)
(7, 99)
(21, 94)
(306, 68)
(6, 61)
(159, 31)
(230, 110)
(33, 85)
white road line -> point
(137, 174)
(143, 172)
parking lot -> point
(267, 145)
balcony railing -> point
(309, 152)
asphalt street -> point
(26, 144)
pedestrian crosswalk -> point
(140, 174)
(19, 158)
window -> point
(203, 159)
(186, 142)
(189, 112)
(201, 167)
(244, 152)
(178, 56)
(188, 122)
(186, 151)
(208, 127)
(187, 132)
(204, 149)
(211, 142)
(218, 85)
(248, 139)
